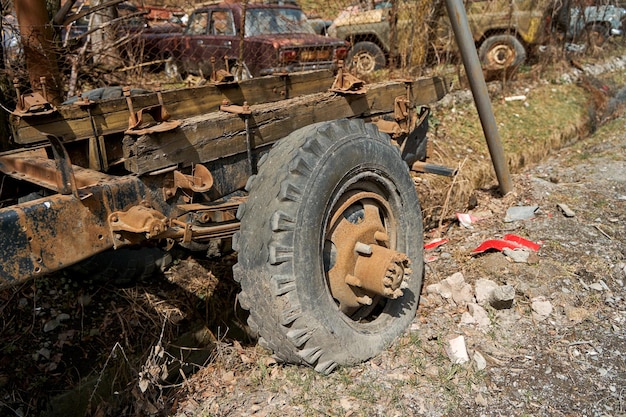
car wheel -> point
(365, 58)
(329, 229)
(501, 52)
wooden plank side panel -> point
(212, 136)
(72, 122)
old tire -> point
(501, 52)
(325, 181)
(366, 57)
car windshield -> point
(272, 21)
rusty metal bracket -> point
(404, 119)
(32, 104)
(160, 116)
(201, 180)
(346, 83)
(221, 76)
(139, 219)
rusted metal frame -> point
(56, 231)
(44, 172)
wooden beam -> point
(72, 122)
(214, 135)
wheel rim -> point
(501, 56)
(363, 269)
(365, 63)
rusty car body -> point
(277, 38)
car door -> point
(210, 34)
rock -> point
(480, 361)
(50, 325)
(541, 308)
(483, 290)
(502, 297)
(520, 213)
(479, 315)
(481, 401)
(456, 350)
(454, 287)
(517, 255)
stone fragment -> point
(479, 315)
(454, 287)
(567, 212)
(483, 290)
(502, 297)
(456, 350)
(479, 360)
(520, 213)
(517, 255)
(541, 308)
(50, 325)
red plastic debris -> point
(523, 242)
(435, 243)
(509, 241)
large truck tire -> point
(332, 204)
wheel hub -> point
(362, 263)
(501, 55)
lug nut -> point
(364, 300)
(353, 281)
(381, 236)
(363, 248)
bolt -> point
(364, 300)
(353, 281)
(363, 248)
(114, 219)
(381, 236)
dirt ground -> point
(551, 343)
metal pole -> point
(465, 41)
